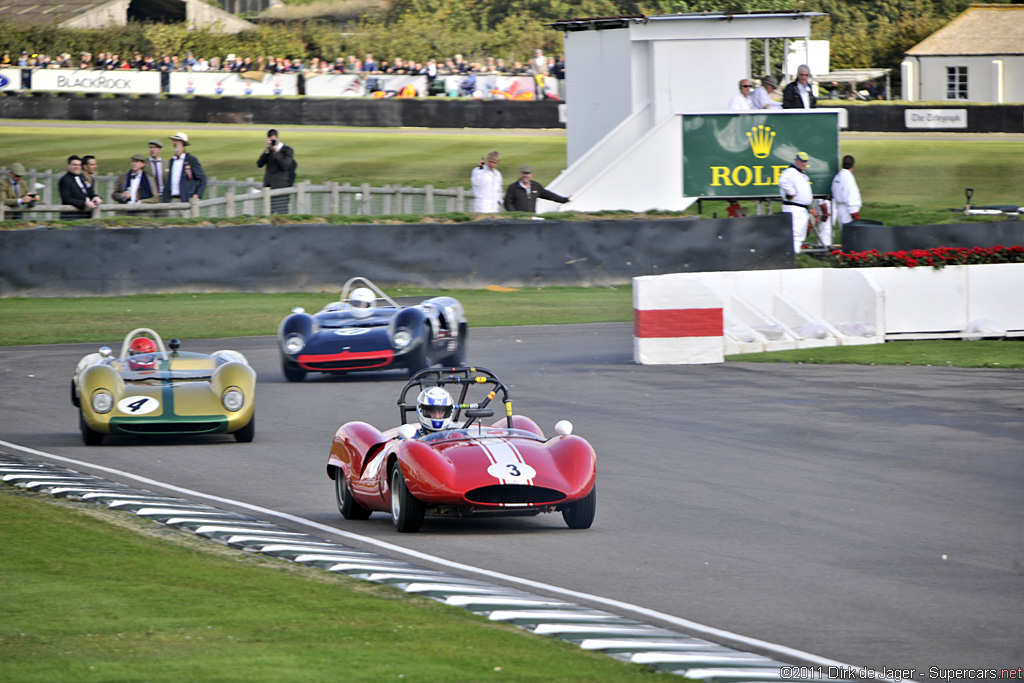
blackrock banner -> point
(116, 81)
(741, 155)
(233, 84)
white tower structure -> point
(627, 81)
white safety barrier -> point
(773, 310)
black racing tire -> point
(74, 395)
(292, 373)
(406, 511)
(418, 359)
(347, 505)
(580, 515)
(459, 357)
(89, 435)
(246, 433)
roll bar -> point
(464, 376)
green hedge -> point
(410, 37)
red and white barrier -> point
(675, 324)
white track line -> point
(691, 626)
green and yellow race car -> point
(148, 390)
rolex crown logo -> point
(761, 138)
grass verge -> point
(86, 600)
(934, 353)
(904, 182)
(105, 320)
(378, 156)
(204, 316)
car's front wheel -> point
(406, 512)
(419, 358)
(246, 433)
(89, 435)
(347, 505)
(459, 356)
(580, 515)
(291, 372)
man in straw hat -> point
(15, 191)
(185, 179)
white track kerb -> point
(689, 627)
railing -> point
(229, 198)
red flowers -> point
(936, 258)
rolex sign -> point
(741, 155)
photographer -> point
(14, 192)
(279, 160)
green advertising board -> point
(741, 155)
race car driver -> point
(434, 406)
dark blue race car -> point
(367, 330)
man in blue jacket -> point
(186, 178)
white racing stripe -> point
(691, 626)
(507, 463)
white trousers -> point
(799, 216)
(843, 213)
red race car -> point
(450, 464)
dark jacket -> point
(791, 98)
(194, 185)
(71, 193)
(279, 171)
(518, 199)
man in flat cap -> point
(137, 186)
(795, 189)
(186, 178)
(15, 191)
(522, 194)
(156, 166)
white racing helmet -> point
(434, 405)
(362, 301)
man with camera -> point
(279, 160)
(15, 191)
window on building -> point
(956, 82)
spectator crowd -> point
(368, 64)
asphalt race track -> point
(870, 515)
